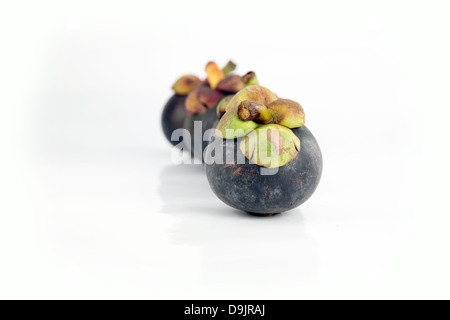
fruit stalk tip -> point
(215, 74)
(251, 110)
(250, 79)
(229, 68)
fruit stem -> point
(214, 73)
(229, 68)
(251, 110)
(250, 79)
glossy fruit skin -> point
(242, 186)
(173, 116)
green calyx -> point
(229, 68)
(230, 126)
(265, 120)
(222, 105)
(287, 113)
(270, 146)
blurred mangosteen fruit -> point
(206, 104)
(173, 116)
(174, 112)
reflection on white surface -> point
(128, 218)
(236, 248)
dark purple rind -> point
(173, 116)
(241, 186)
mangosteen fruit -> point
(174, 112)
(201, 116)
(173, 116)
(262, 159)
(206, 104)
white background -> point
(92, 207)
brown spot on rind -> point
(238, 171)
(266, 191)
(231, 163)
